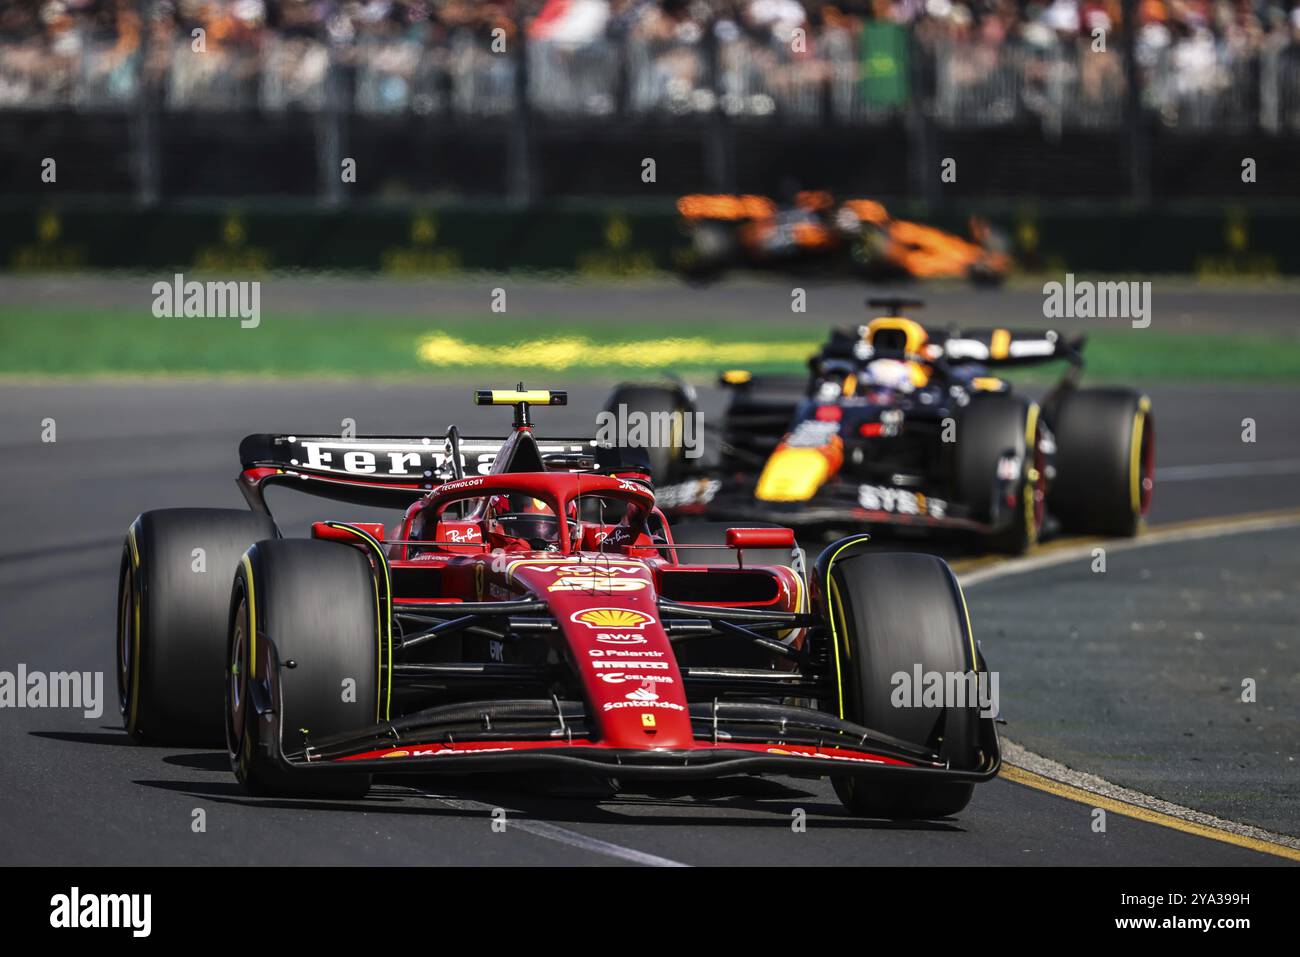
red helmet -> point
(523, 523)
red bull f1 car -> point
(532, 610)
(900, 425)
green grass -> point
(81, 342)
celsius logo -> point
(75, 910)
(618, 678)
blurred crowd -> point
(60, 26)
(399, 51)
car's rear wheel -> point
(662, 432)
(1105, 461)
(303, 653)
(893, 613)
(1001, 471)
(172, 607)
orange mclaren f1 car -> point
(815, 229)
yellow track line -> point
(1155, 535)
(1115, 806)
(1161, 534)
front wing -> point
(777, 739)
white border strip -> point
(516, 821)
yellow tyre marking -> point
(837, 609)
(1135, 462)
(133, 715)
(970, 632)
(383, 630)
(252, 616)
(1116, 806)
(1031, 473)
(837, 614)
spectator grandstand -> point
(1201, 64)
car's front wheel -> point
(1105, 461)
(892, 614)
(1001, 469)
(303, 655)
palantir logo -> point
(76, 910)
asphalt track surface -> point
(1176, 304)
(75, 791)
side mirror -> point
(327, 532)
(760, 538)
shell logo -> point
(612, 618)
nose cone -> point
(608, 612)
(795, 474)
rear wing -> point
(390, 471)
(725, 207)
(1010, 347)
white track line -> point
(1222, 470)
(553, 832)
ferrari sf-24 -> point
(532, 611)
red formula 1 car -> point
(532, 612)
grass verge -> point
(83, 342)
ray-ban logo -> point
(208, 300)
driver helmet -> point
(899, 374)
(524, 523)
